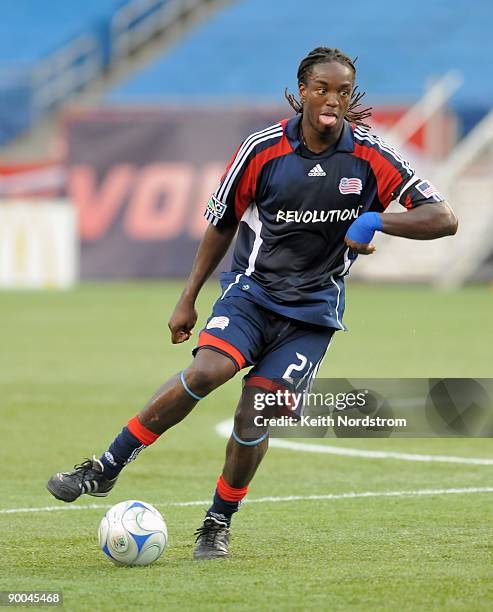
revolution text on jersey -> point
(294, 208)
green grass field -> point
(75, 366)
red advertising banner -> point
(140, 181)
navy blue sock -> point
(222, 507)
(124, 448)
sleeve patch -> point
(216, 208)
(428, 190)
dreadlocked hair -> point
(323, 55)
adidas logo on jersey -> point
(317, 171)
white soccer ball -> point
(133, 533)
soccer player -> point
(305, 197)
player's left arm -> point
(428, 215)
(426, 222)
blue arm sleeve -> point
(364, 227)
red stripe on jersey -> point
(408, 203)
(245, 192)
(387, 176)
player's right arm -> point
(235, 193)
(223, 212)
(212, 249)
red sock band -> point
(228, 493)
(144, 435)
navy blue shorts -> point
(281, 350)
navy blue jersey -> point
(294, 208)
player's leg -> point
(244, 452)
(248, 444)
(178, 396)
(291, 360)
(230, 330)
(168, 406)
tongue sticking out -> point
(327, 120)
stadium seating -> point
(30, 29)
(252, 48)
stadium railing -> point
(465, 180)
(135, 23)
(67, 70)
(473, 200)
(427, 106)
(53, 80)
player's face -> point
(326, 97)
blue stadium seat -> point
(30, 29)
(252, 48)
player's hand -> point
(359, 247)
(361, 232)
(182, 321)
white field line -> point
(224, 430)
(263, 500)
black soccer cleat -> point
(87, 477)
(212, 540)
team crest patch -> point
(218, 322)
(350, 185)
(216, 208)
